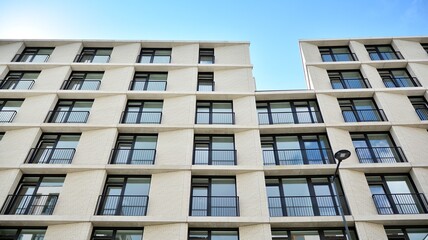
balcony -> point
(298, 156)
(75, 84)
(50, 155)
(67, 117)
(31, 57)
(405, 203)
(215, 118)
(122, 205)
(227, 206)
(141, 117)
(290, 117)
(7, 116)
(349, 83)
(367, 115)
(397, 82)
(214, 157)
(29, 204)
(147, 85)
(133, 156)
(16, 84)
(380, 155)
(306, 206)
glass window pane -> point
(129, 235)
(223, 187)
(137, 186)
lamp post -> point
(340, 156)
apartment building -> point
(165, 140)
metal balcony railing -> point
(214, 157)
(122, 205)
(29, 204)
(306, 206)
(405, 203)
(214, 206)
(50, 155)
(31, 57)
(90, 58)
(141, 117)
(298, 156)
(16, 84)
(380, 154)
(422, 113)
(396, 82)
(137, 85)
(349, 83)
(386, 55)
(367, 115)
(290, 117)
(157, 59)
(215, 118)
(67, 117)
(79, 84)
(133, 156)
(339, 57)
(7, 116)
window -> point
(396, 194)
(124, 196)
(214, 196)
(383, 52)
(11, 233)
(35, 195)
(54, 149)
(214, 112)
(213, 234)
(347, 79)
(158, 55)
(214, 150)
(421, 107)
(310, 196)
(288, 112)
(377, 148)
(35, 55)
(337, 54)
(8, 109)
(206, 56)
(296, 150)
(361, 110)
(117, 234)
(70, 111)
(142, 112)
(94, 55)
(206, 82)
(134, 149)
(406, 233)
(312, 234)
(83, 81)
(393, 78)
(149, 81)
(19, 80)
(1, 135)
(425, 46)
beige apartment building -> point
(160, 140)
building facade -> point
(170, 140)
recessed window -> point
(425, 46)
(9, 109)
(206, 82)
(383, 52)
(134, 149)
(214, 112)
(1, 135)
(318, 234)
(214, 150)
(394, 78)
(337, 54)
(155, 55)
(146, 112)
(206, 56)
(347, 79)
(35, 195)
(94, 55)
(406, 233)
(289, 112)
(213, 234)
(117, 234)
(149, 81)
(361, 110)
(70, 111)
(421, 107)
(83, 81)
(12, 233)
(34, 54)
(19, 80)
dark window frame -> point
(147, 80)
(209, 230)
(425, 47)
(16, 76)
(140, 105)
(375, 50)
(207, 77)
(393, 78)
(317, 112)
(210, 143)
(420, 102)
(329, 50)
(379, 111)
(404, 229)
(72, 102)
(152, 53)
(320, 231)
(34, 52)
(19, 231)
(211, 112)
(114, 232)
(342, 80)
(74, 76)
(92, 53)
(207, 52)
(133, 142)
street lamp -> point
(340, 156)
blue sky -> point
(272, 26)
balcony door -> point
(375, 148)
(55, 148)
(135, 149)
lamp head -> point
(342, 154)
